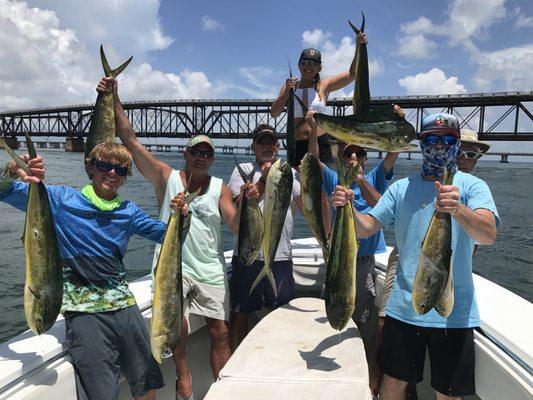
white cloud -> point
(264, 82)
(416, 46)
(507, 69)
(431, 82)
(315, 38)
(521, 20)
(211, 25)
(47, 63)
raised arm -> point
(341, 80)
(279, 103)
(157, 172)
(227, 209)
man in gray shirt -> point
(265, 146)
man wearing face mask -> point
(265, 146)
(409, 203)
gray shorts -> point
(211, 301)
(102, 344)
(366, 290)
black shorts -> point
(324, 146)
(102, 344)
(243, 276)
(451, 355)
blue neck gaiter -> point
(435, 158)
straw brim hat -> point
(469, 136)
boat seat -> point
(293, 353)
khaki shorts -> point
(211, 301)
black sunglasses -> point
(202, 154)
(359, 154)
(446, 140)
(309, 63)
(105, 166)
(472, 155)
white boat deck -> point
(34, 367)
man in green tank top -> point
(204, 281)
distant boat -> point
(33, 367)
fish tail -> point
(301, 103)
(20, 162)
(270, 277)
(290, 69)
(362, 29)
(245, 177)
(257, 280)
(107, 69)
(31, 147)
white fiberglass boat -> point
(292, 353)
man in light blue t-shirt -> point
(409, 203)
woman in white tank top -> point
(314, 92)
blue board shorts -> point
(103, 344)
(242, 278)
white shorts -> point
(211, 301)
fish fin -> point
(268, 273)
(245, 177)
(30, 145)
(340, 172)
(362, 29)
(107, 69)
(34, 292)
(290, 69)
(20, 162)
(191, 196)
(444, 304)
(350, 175)
(304, 108)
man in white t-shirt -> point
(265, 146)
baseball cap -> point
(262, 130)
(440, 122)
(311, 54)
(200, 139)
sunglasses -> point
(105, 166)
(359, 154)
(446, 140)
(267, 140)
(201, 154)
(309, 63)
(471, 155)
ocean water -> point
(509, 262)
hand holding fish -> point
(36, 166)
(290, 83)
(448, 198)
(251, 191)
(178, 202)
(310, 119)
(341, 196)
(361, 38)
(107, 84)
(399, 111)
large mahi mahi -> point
(43, 286)
(102, 127)
(340, 288)
(167, 305)
(377, 127)
(433, 283)
(278, 192)
(250, 224)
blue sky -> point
(239, 49)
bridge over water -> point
(496, 116)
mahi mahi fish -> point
(167, 305)
(340, 286)
(250, 224)
(433, 284)
(277, 198)
(311, 181)
(43, 287)
(102, 127)
(376, 127)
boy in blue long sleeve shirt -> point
(105, 331)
